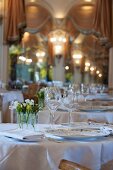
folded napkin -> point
(23, 134)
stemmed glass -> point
(69, 103)
(52, 101)
(85, 91)
(75, 89)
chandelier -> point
(58, 39)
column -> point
(77, 75)
(3, 58)
(110, 78)
(3, 53)
(59, 70)
(87, 78)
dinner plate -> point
(105, 99)
(26, 140)
(93, 108)
(86, 132)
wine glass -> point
(69, 103)
(84, 91)
(52, 101)
(75, 89)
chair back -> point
(68, 165)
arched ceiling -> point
(37, 18)
(82, 14)
(78, 17)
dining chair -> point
(108, 165)
(31, 92)
(69, 165)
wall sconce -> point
(28, 60)
(97, 72)
(40, 53)
(86, 69)
(66, 67)
(25, 60)
(22, 58)
(92, 69)
(77, 56)
(58, 38)
(87, 64)
(100, 75)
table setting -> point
(50, 145)
(63, 134)
(76, 131)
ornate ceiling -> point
(73, 16)
(78, 19)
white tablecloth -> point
(77, 116)
(62, 116)
(46, 155)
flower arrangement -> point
(27, 111)
(41, 98)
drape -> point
(15, 20)
(103, 19)
(81, 17)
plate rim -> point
(76, 136)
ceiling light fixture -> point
(88, 0)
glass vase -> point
(27, 120)
(21, 119)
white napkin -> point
(23, 134)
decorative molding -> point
(41, 3)
(36, 30)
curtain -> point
(15, 20)
(103, 19)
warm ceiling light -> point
(87, 64)
(100, 75)
(88, 0)
(77, 56)
(97, 72)
(86, 68)
(28, 60)
(22, 58)
(66, 67)
(40, 60)
(87, 7)
(58, 49)
(58, 36)
(77, 62)
(53, 39)
(40, 54)
(92, 68)
(32, 0)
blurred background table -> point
(6, 98)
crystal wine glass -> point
(85, 91)
(75, 89)
(69, 103)
(52, 101)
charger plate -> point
(85, 132)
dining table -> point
(46, 152)
(97, 108)
(62, 116)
